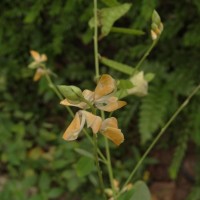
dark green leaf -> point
(84, 166)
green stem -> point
(55, 89)
(96, 59)
(109, 164)
(96, 40)
(182, 106)
(145, 55)
(98, 166)
(92, 141)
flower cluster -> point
(156, 26)
(101, 98)
(38, 65)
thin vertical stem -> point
(98, 166)
(96, 59)
(145, 55)
(96, 40)
(109, 164)
(55, 89)
(182, 106)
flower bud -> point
(72, 93)
(140, 85)
(156, 18)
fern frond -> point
(178, 155)
(152, 111)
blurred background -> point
(35, 162)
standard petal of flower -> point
(35, 55)
(88, 95)
(111, 104)
(105, 86)
(73, 129)
(65, 102)
(114, 134)
(93, 121)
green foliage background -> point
(34, 161)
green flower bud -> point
(154, 26)
(71, 93)
(156, 18)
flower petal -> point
(88, 95)
(93, 121)
(65, 102)
(111, 104)
(110, 130)
(35, 55)
(38, 74)
(73, 129)
(109, 122)
(140, 85)
(114, 134)
(105, 86)
(43, 58)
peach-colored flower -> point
(39, 73)
(109, 129)
(77, 124)
(37, 57)
(102, 98)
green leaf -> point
(110, 3)
(44, 182)
(71, 92)
(126, 69)
(140, 191)
(84, 153)
(125, 84)
(108, 16)
(149, 77)
(152, 111)
(129, 31)
(55, 192)
(84, 166)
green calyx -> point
(71, 92)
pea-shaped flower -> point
(102, 97)
(94, 122)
